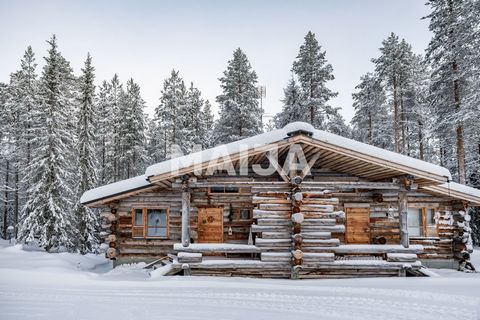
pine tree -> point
(114, 99)
(240, 113)
(392, 66)
(105, 118)
(454, 56)
(131, 132)
(190, 116)
(371, 122)
(313, 72)
(6, 154)
(168, 120)
(207, 122)
(86, 152)
(23, 104)
(48, 218)
(293, 109)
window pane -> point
(430, 217)
(217, 189)
(414, 222)
(157, 232)
(244, 214)
(138, 217)
(156, 217)
(231, 190)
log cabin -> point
(291, 203)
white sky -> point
(146, 39)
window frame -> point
(144, 225)
(423, 220)
(210, 192)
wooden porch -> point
(343, 261)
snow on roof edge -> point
(263, 139)
(114, 188)
(448, 187)
(277, 135)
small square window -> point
(245, 214)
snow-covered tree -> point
(371, 122)
(168, 120)
(313, 73)
(131, 132)
(114, 97)
(22, 103)
(454, 56)
(87, 220)
(240, 113)
(207, 122)
(48, 218)
(392, 68)
(190, 116)
(104, 133)
(293, 109)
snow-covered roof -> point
(115, 188)
(280, 134)
(457, 190)
(387, 158)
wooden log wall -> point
(323, 223)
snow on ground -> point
(37, 285)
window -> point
(244, 214)
(421, 222)
(414, 219)
(223, 189)
(150, 222)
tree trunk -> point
(370, 128)
(459, 130)
(402, 126)
(15, 203)
(5, 203)
(420, 140)
(395, 116)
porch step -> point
(216, 248)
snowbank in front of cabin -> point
(37, 285)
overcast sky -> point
(146, 39)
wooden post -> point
(185, 212)
(405, 185)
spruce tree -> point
(191, 120)
(371, 122)
(114, 97)
(207, 122)
(131, 132)
(87, 163)
(392, 66)
(105, 118)
(168, 117)
(240, 113)
(22, 103)
(313, 73)
(293, 109)
(48, 218)
(454, 56)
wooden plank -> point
(210, 225)
(357, 225)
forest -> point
(65, 132)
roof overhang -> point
(456, 191)
(325, 149)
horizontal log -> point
(401, 257)
(189, 257)
(319, 222)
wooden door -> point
(210, 225)
(357, 225)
